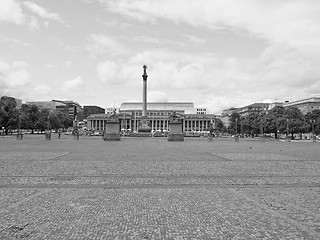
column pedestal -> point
(175, 132)
(112, 132)
(144, 125)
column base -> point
(111, 137)
(175, 137)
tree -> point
(275, 121)
(30, 115)
(65, 119)
(42, 123)
(54, 121)
(295, 120)
(234, 123)
(313, 118)
(8, 113)
(251, 123)
(219, 124)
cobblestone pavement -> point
(155, 189)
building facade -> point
(253, 108)
(111, 110)
(51, 105)
(305, 105)
(201, 111)
(158, 115)
(89, 110)
(73, 108)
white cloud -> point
(13, 75)
(289, 66)
(157, 96)
(42, 12)
(195, 40)
(102, 44)
(15, 80)
(73, 87)
(10, 11)
(7, 39)
(158, 41)
(297, 21)
(108, 72)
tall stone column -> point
(144, 123)
(144, 76)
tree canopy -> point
(8, 113)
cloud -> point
(158, 41)
(13, 75)
(108, 72)
(288, 66)
(13, 11)
(15, 41)
(296, 21)
(42, 12)
(16, 81)
(73, 87)
(102, 45)
(10, 11)
(194, 39)
(157, 96)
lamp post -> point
(19, 133)
(236, 126)
(236, 136)
(288, 139)
(48, 134)
(312, 126)
(261, 125)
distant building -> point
(74, 108)
(305, 105)
(111, 110)
(253, 108)
(89, 110)
(275, 104)
(201, 111)
(225, 115)
(164, 107)
(158, 113)
(243, 111)
(46, 104)
(18, 102)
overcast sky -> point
(217, 54)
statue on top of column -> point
(174, 117)
(113, 117)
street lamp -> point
(19, 133)
(236, 137)
(48, 134)
(236, 126)
(312, 125)
(288, 138)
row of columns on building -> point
(188, 125)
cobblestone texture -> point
(154, 189)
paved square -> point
(154, 189)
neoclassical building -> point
(158, 114)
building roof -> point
(255, 105)
(188, 107)
(302, 101)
